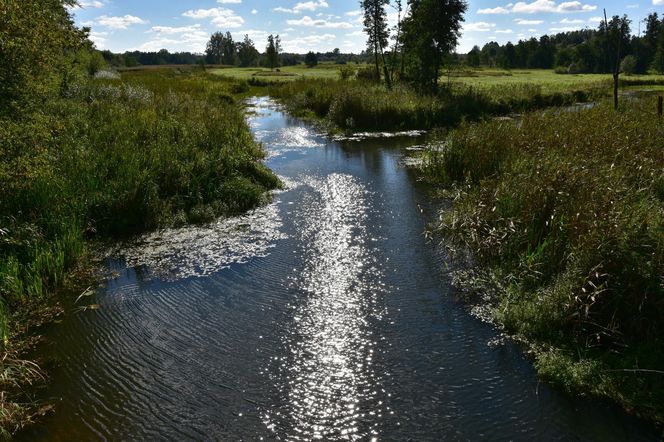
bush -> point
(628, 65)
(347, 72)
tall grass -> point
(369, 106)
(112, 158)
(567, 208)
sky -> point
(322, 25)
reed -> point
(567, 209)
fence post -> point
(660, 105)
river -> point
(324, 315)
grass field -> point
(286, 73)
(484, 79)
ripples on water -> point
(320, 316)
(327, 370)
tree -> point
(628, 65)
(616, 32)
(38, 41)
(247, 53)
(473, 57)
(430, 33)
(375, 25)
(272, 51)
(221, 49)
(310, 59)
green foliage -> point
(310, 59)
(221, 49)
(35, 38)
(272, 51)
(567, 208)
(628, 65)
(365, 105)
(431, 31)
(113, 158)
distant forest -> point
(583, 51)
(164, 57)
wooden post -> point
(660, 105)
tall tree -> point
(375, 25)
(431, 32)
(221, 49)
(247, 52)
(272, 51)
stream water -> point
(325, 315)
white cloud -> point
(175, 30)
(520, 21)
(478, 27)
(496, 10)
(539, 6)
(595, 20)
(355, 13)
(504, 31)
(224, 2)
(310, 22)
(221, 17)
(658, 2)
(309, 42)
(303, 6)
(99, 39)
(120, 22)
(89, 4)
(565, 29)
(567, 21)
(254, 11)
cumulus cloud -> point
(658, 2)
(496, 10)
(309, 42)
(303, 6)
(478, 27)
(520, 21)
(221, 17)
(310, 22)
(504, 31)
(539, 6)
(120, 22)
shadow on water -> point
(323, 315)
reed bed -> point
(566, 208)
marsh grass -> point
(567, 209)
(365, 105)
(110, 158)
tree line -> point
(582, 51)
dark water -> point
(323, 316)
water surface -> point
(325, 315)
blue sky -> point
(321, 25)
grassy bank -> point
(566, 208)
(362, 105)
(108, 158)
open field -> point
(285, 73)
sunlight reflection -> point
(329, 377)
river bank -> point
(566, 209)
(105, 159)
